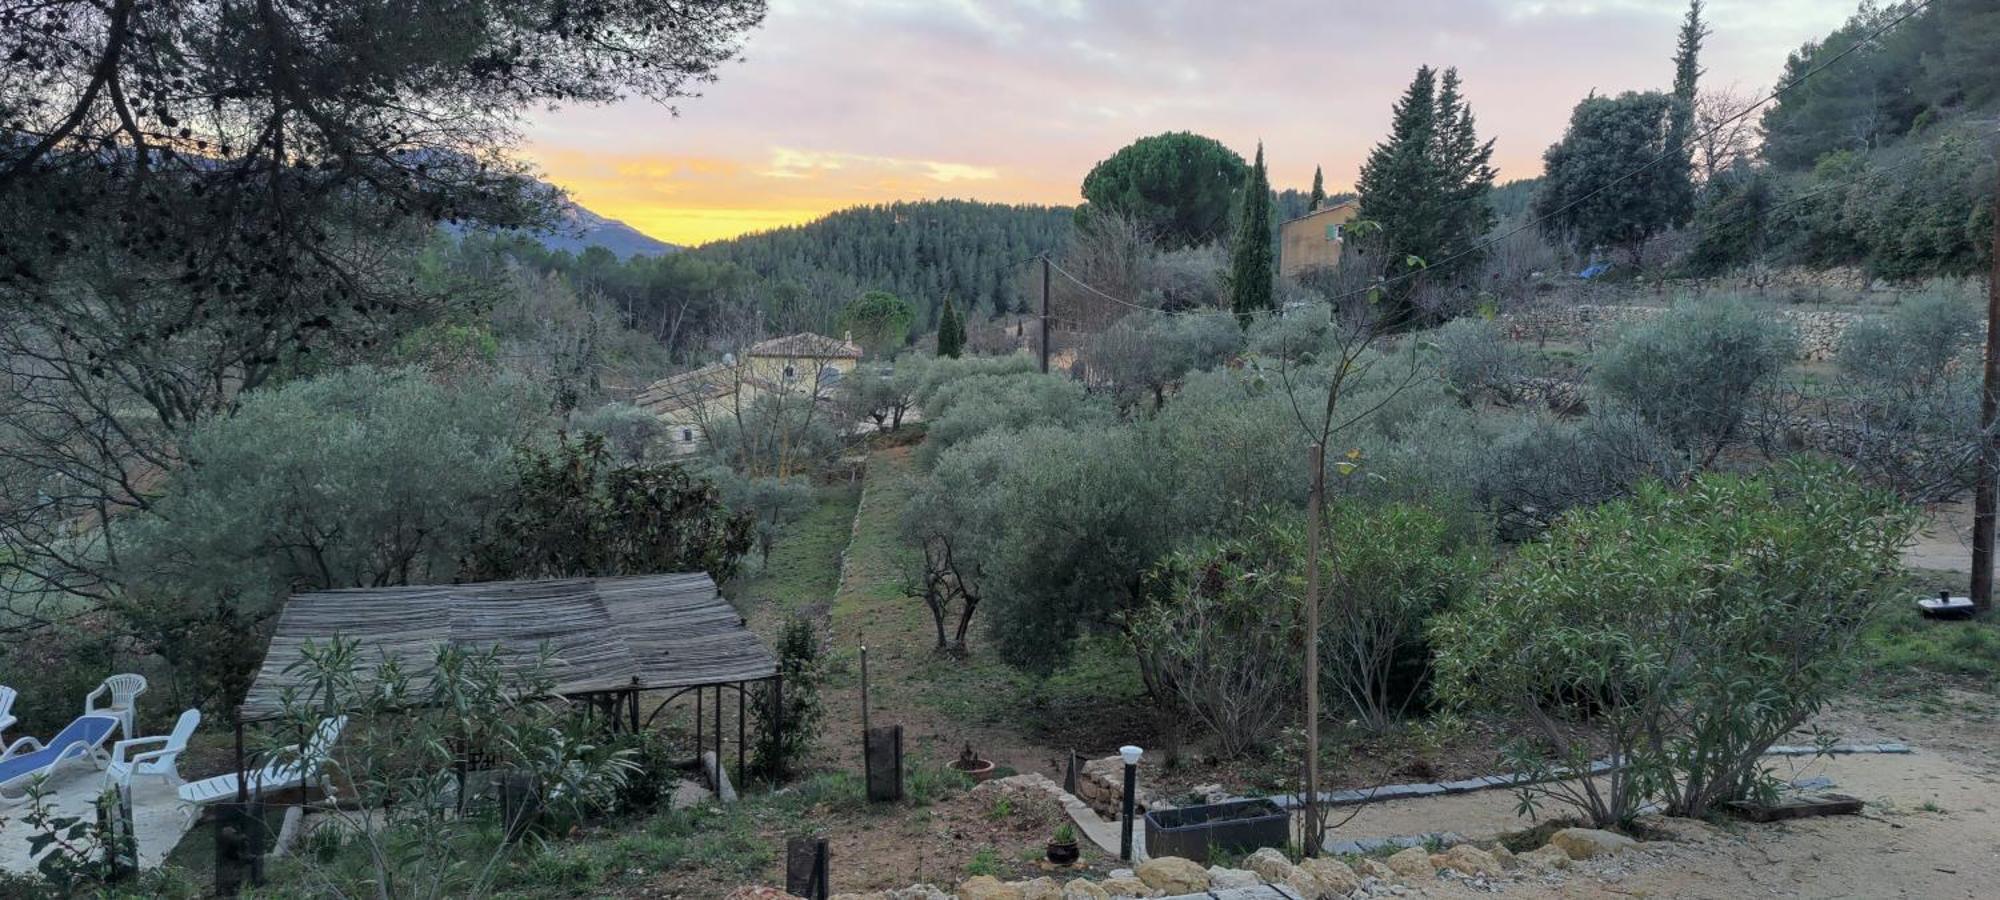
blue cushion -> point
(90, 730)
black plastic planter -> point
(1238, 826)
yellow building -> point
(1315, 240)
(690, 403)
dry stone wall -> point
(1819, 330)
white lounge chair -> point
(7, 719)
(124, 691)
(278, 775)
(27, 759)
(161, 761)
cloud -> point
(839, 102)
(790, 163)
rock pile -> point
(1323, 878)
(1101, 783)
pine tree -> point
(951, 331)
(1318, 198)
(1425, 189)
(1687, 75)
(1250, 259)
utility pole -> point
(1984, 493)
(1045, 314)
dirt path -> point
(1931, 827)
(1945, 543)
(871, 609)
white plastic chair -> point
(124, 691)
(162, 761)
(7, 719)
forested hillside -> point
(921, 251)
(1881, 156)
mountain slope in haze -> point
(584, 229)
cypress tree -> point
(951, 331)
(1687, 74)
(1250, 259)
(1318, 198)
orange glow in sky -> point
(844, 102)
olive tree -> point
(1905, 407)
(1477, 361)
(361, 478)
(1693, 371)
(1682, 631)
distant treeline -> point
(1882, 158)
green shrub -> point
(1691, 373)
(572, 513)
(802, 668)
(1217, 637)
(1688, 629)
(1388, 569)
(359, 478)
(1477, 361)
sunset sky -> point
(841, 102)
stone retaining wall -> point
(1819, 330)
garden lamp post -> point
(1131, 756)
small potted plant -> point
(1062, 848)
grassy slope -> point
(1093, 700)
(804, 568)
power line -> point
(1536, 221)
(1670, 153)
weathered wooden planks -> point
(646, 632)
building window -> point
(791, 373)
(1333, 232)
(687, 435)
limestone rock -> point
(1369, 867)
(1126, 887)
(1504, 855)
(1414, 862)
(1590, 843)
(987, 887)
(1043, 888)
(1471, 860)
(1084, 889)
(1219, 877)
(1270, 865)
(1334, 875)
(758, 892)
(1306, 885)
(916, 892)
(1547, 858)
(1173, 875)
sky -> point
(836, 103)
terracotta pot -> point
(1063, 853)
(978, 770)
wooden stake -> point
(1315, 501)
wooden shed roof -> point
(644, 631)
